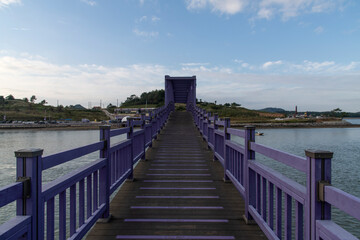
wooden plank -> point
(173, 197)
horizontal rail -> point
(235, 146)
(10, 193)
(291, 160)
(63, 157)
(236, 132)
(236, 183)
(16, 227)
(329, 230)
(343, 200)
(120, 145)
(219, 132)
(289, 186)
(62, 183)
(119, 131)
(138, 132)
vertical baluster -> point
(278, 212)
(50, 212)
(299, 221)
(72, 209)
(62, 215)
(95, 191)
(263, 198)
(271, 204)
(288, 214)
(81, 202)
(89, 196)
(258, 193)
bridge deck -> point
(177, 194)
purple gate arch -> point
(180, 90)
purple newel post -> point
(104, 188)
(143, 118)
(130, 136)
(29, 168)
(318, 170)
(249, 175)
(227, 137)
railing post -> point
(130, 136)
(227, 137)
(105, 175)
(143, 127)
(318, 171)
(216, 116)
(249, 175)
(29, 170)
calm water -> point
(344, 142)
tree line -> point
(155, 97)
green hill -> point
(22, 110)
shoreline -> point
(298, 125)
(54, 127)
(75, 127)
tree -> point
(10, 97)
(25, 99)
(33, 98)
(2, 100)
(234, 104)
(43, 102)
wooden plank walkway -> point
(178, 193)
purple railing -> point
(281, 207)
(84, 192)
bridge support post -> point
(28, 171)
(104, 173)
(249, 175)
(131, 160)
(226, 154)
(318, 171)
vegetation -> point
(25, 110)
(238, 113)
(155, 97)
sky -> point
(258, 53)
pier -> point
(178, 175)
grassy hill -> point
(239, 114)
(21, 110)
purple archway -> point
(180, 90)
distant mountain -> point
(273, 110)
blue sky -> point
(260, 53)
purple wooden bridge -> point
(177, 191)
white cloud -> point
(155, 19)
(21, 29)
(151, 34)
(309, 84)
(267, 9)
(89, 2)
(6, 3)
(270, 64)
(143, 19)
(319, 30)
(223, 6)
(194, 64)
